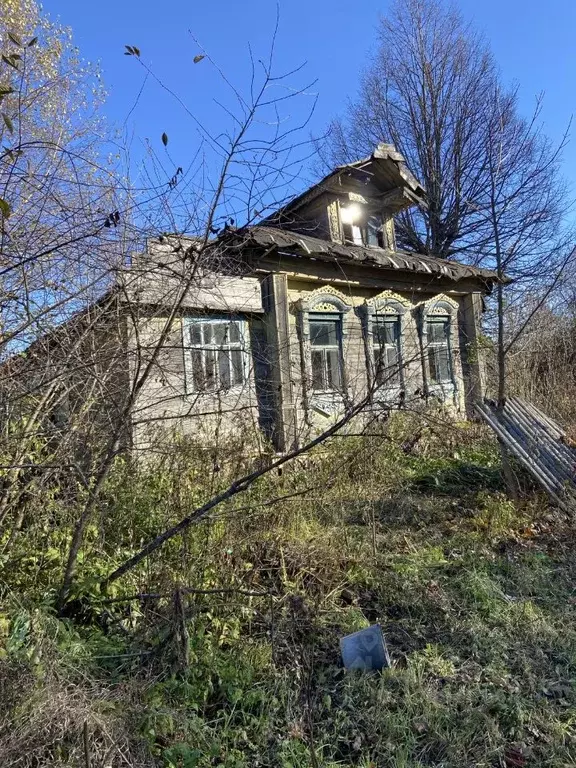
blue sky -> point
(533, 44)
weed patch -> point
(229, 655)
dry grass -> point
(475, 594)
(47, 721)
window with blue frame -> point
(386, 339)
(438, 350)
(216, 353)
(326, 352)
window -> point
(438, 349)
(326, 352)
(374, 232)
(360, 227)
(351, 217)
(322, 325)
(216, 354)
(387, 350)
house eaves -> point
(266, 238)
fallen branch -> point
(186, 591)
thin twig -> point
(86, 740)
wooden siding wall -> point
(158, 277)
(311, 220)
(283, 407)
(167, 406)
(309, 419)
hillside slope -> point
(233, 659)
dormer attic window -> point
(351, 217)
(375, 230)
(361, 226)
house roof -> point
(385, 166)
(388, 166)
(313, 247)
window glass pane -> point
(440, 369)
(379, 333)
(379, 362)
(234, 333)
(387, 362)
(220, 334)
(357, 235)
(196, 334)
(318, 370)
(224, 370)
(392, 357)
(208, 333)
(437, 330)
(317, 334)
(237, 366)
(393, 365)
(197, 370)
(210, 369)
(324, 333)
(373, 230)
(386, 330)
(432, 365)
(393, 331)
(443, 365)
(334, 374)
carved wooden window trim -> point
(389, 231)
(325, 303)
(440, 307)
(334, 222)
(385, 304)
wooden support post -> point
(472, 358)
(277, 321)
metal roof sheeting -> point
(539, 444)
(379, 257)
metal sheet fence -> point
(538, 443)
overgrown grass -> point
(475, 595)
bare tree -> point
(70, 314)
(526, 210)
(60, 233)
(494, 190)
(427, 91)
(237, 175)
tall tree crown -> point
(428, 90)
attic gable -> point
(355, 203)
(385, 177)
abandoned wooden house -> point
(307, 313)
